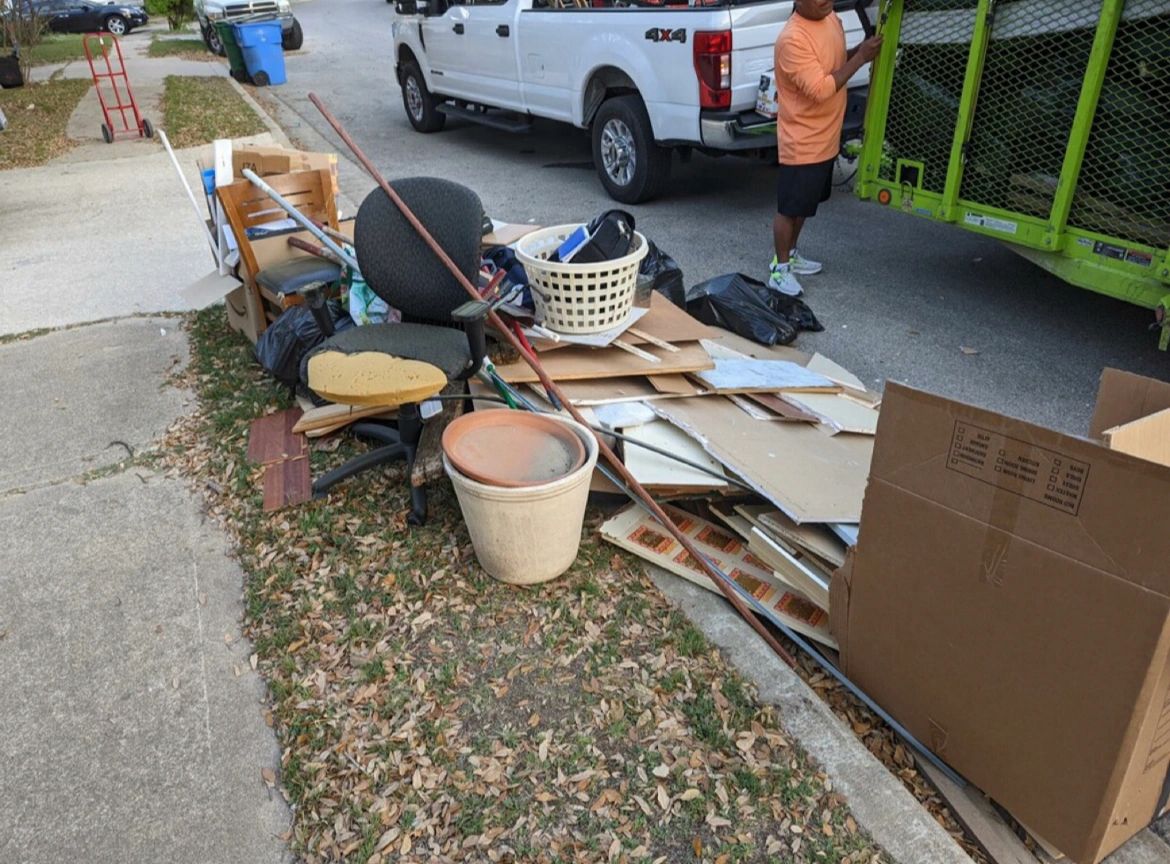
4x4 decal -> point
(665, 34)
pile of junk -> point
(993, 600)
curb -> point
(272, 126)
(877, 800)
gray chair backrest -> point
(398, 266)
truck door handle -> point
(458, 28)
(503, 30)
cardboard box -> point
(1009, 602)
(243, 314)
(276, 160)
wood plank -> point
(271, 438)
(785, 410)
(428, 462)
(813, 585)
(1147, 438)
(674, 385)
(837, 412)
(576, 363)
(287, 483)
(337, 415)
(664, 322)
(977, 815)
(810, 476)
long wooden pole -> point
(551, 386)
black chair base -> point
(398, 443)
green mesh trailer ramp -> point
(1042, 123)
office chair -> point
(441, 337)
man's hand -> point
(858, 56)
(868, 49)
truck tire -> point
(212, 40)
(294, 38)
(631, 166)
(418, 101)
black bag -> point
(281, 347)
(667, 276)
(10, 75)
(750, 308)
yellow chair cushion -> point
(372, 378)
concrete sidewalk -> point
(132, 724)
(106, 230)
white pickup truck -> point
(645, 76)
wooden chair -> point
(246, 206)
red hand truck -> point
(97, 50)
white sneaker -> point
(781, 279)
(803, 266)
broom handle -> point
(715, 575)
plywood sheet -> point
(287, 483)
(811, 476)
(816, 539)
(822, 365)
(663, 321)
(784, 410)
(674, 385)
(576, 363)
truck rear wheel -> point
(418, 101)
(631, 166)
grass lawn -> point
(57, 48)
(427, 712)
(200, 109)
(189, 48)
(37, 115)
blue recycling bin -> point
(260, 43)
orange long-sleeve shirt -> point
(811, 108)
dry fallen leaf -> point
(268, 776)
(968, 351)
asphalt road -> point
(900, 297)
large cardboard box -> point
(1009, 602)
(277, 160)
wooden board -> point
(576, 363)
(810, 476)
(287, 483)
(674, 385)
(336, 416)
(663, 321)
(838, 412)
(977, 815)
(506, 233)
(822, 365)
(784, 410)
(428, 461)
(1147, 438)
(272, 438)
(790, 569)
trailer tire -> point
(418, 101)
(631, 166)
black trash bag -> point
(750, 308)
(287, 339)
(667, 275)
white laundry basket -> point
(579, 298)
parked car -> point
(84, 16)
(210, 11)
(646, 77)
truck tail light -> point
(713, 67)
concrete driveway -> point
(899, 298)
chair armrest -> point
(472, 316)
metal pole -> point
(302, 220)
(551, 387)
(191, 195)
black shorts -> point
(800, 188)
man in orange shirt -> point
(812, 68)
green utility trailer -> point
(1042, 123)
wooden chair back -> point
(247, 206)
